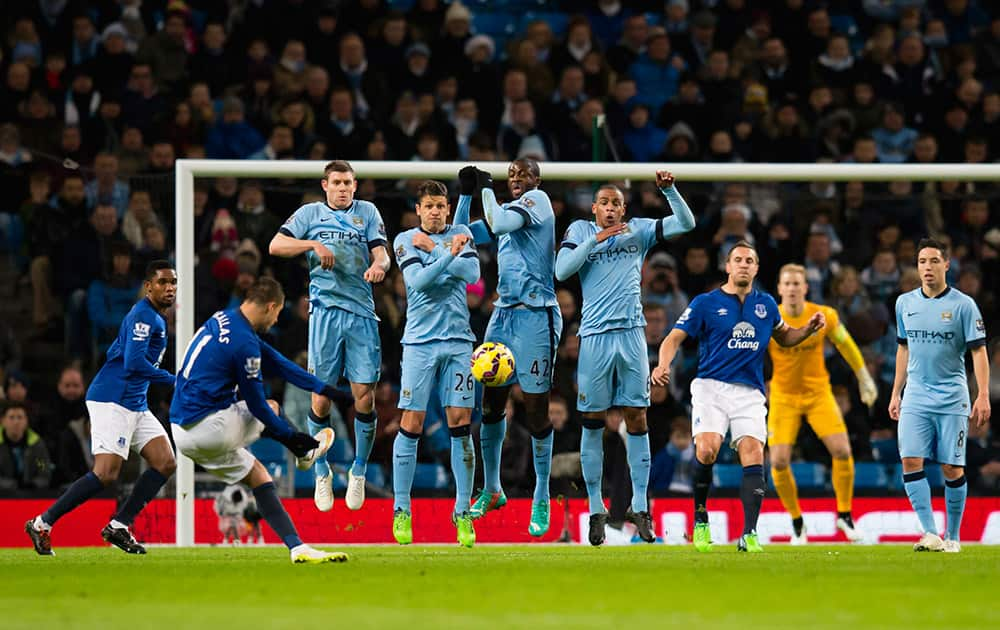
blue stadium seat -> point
(809, 474)
(431, 477)
(494, 24)
(871, 475)
(268, 451)
(401, 5)
(557, 21)
(727, 475)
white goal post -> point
(187, 170)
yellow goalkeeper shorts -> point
(784, 418)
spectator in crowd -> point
(820, 266)
(658, 70)
(233, 137)
(107, 187)
(110, 298)
(661, 286)
(24, 458)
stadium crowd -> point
(99, 98)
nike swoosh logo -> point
(466, 397)
(910, 314)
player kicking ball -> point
(438, 260)
(732, 325)
(212, 428)
(614, 365)
(801, 387)
(935, 326)
(344, 241)
(525, 318)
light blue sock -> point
(364, 437)
(637, 450)
(592, 461)
(955, 492)
(316, 424)
(404, 465)
(919, 492)
(463, 466)
(541, 449)
(491, 442)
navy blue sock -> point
(702, 474)
(82, 489)
(145, 488)
(752, 496)
(270, 507)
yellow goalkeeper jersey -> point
(801, 369)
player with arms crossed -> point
(525, 318)
(212, 428)
(800, 386)
(438, 261)
(935, 325)
(733, 325)
(344, 241)
(614, 364)
(120, 419)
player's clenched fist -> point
(326, 258)
(457, 243)
(664, 179)
(375, 274)
(660, 376)
(423, 242)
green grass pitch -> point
(534, 586)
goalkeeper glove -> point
(300, 443)
(468, 179)
(866, 387)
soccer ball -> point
(492, 364)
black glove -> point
(336, 396)
(468, 178)
(300, 443)
(483, 180)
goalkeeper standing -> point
(800, 387)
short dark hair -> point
(337, 166)
(431, 188)
(530, 165)
(935, 243)
(154, 267)
(10, 404)
(745, 244)
(608, 187)
(265, 291)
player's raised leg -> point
(364, 439)
(637, 453)
(326, 361)
(463, 467)
(491, 437)
(592, 462)
(404, 464)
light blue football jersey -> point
(350, 234)
(938, 331)
(526, 257)
(438, 312)
(611, 277)
(732, 336)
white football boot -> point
(304, 554)
(929, 542)
(325, 439)
(355, 496)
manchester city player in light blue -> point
(614, 364)
(213, 428)
(935, 326)
(733, 325)
(344, 241)
(438, 260)
(120, 419)
(525, 318)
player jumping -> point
(733, 325)
(344, 241)
(120, 419)
(438, 260)
(800, 387)
(614, 364)
(525, 318)
(935, 325)
(212, 428)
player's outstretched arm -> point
(287, 246)
(668, 350)
(848, 349)
(469, 180)
(902, 358)
(788, 336)
(501, 221)
(273, 362)
(981, 368)
(135, 362)
(683, 219)
(252, 390)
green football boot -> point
(702, 537)
(487, 502)
(539, 524)
(749, 543)
(402, 527)
(465, 529)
